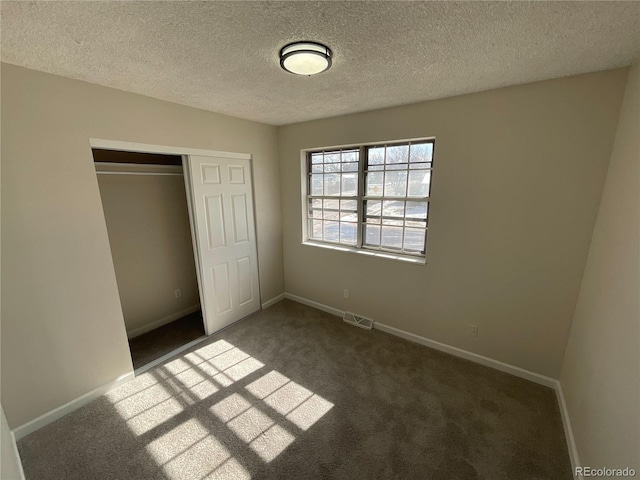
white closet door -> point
(221, 190)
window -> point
(373, 197)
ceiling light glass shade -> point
(305, 58)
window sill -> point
(369, 253)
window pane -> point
(416, 223)
(316, 157)
(331, 231)
(392, 237)
(317, 168)
(393, 208)
(375, 167)
(374, 207)
(372, 235)
(398, 154)
(395, 184)
(396, 166)
(331, 167)
(372, 212)
(316, 184)
(374, 184)
(333, 157)
(417, 209)
(315, 229)
(348, 210)
(389, 221)
(316, 203)
(332, 184)
(419, 183)
(315, 213)
(414, 239)
(350, 156)
(419, 166)
(331, 204)
(421, 152)
(349, 167)
(351, 205)
(348, 233)
(331, 215)
(376, 156)
(349, 184)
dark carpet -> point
(154, 344)
(293, 392)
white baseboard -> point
(273, 301)
(474, 357)
(61, 411)
(69, 407)
(568, 431)
(16, 455)
(458, 352)
(163, 321)
(311, 303)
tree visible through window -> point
(373, 197)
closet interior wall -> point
(145, 208)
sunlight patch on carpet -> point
(264, 424)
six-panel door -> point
(222, 201)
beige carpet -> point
(296, 393)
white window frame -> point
(359, 248)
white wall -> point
(601, 369)
(150, 238)
(62, 328)
(516, 187)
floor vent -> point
(358, 321)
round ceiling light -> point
(305, 58)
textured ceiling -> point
(223, 56)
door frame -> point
(185, 152)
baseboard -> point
(69, 407)
(163, 321)
(61, 411)
(273, 301)
(16, 455)
(311, 303)
(443, 347)
(474, 357)
(568, 431)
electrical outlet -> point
(178, 293)
(473, 331)
(346, 293)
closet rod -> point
(139, 173)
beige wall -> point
(601, 369)
(62, 328)
(10, 468)
(150, 239)
(518, 177)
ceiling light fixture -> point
(305, 58)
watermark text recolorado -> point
(605, 472)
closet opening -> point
(148, 222)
